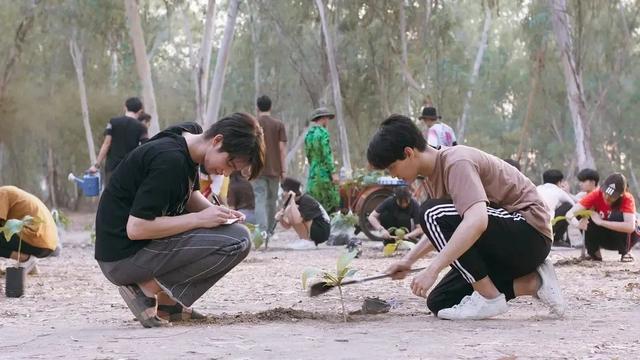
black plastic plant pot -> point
(14, 286)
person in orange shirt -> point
(39, 240)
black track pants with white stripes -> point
(508, 249)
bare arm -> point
(417, 232)
(104, 149)
(283, 156)
(419, 251)
(570, 215)
(627, 226)
(163, 226)
(474, 223)
(373, 220)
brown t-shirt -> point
(16, 204)
(274, 134)
(468, 176)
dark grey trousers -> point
(187, 264)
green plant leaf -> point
(309, 273)
(345, 259)
(15, 226)
(389, 249)
(350, 273)
(331, 279)
(583, 213)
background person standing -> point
(265, 187)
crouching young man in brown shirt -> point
(484, 217)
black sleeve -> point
(385, 205)
(308, 207)
(109, 129)
(164, 187)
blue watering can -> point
(90, 183)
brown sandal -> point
(178, 312)
(144, 308)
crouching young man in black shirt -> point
(157, 237)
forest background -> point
(551, 83)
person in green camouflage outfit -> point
(321, 184)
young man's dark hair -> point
(291, 184)
(144, 117)
(589, 174)
(264, 103)
(552, 176)
(401, 193)
(242, 138)
(513, 163)
(396, 133)
(133, 104)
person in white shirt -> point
(559, 201)
(437, 133)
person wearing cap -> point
(612, 224)
(437, 133)
(397, 211)
(485, 219)
(322, 180)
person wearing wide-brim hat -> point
(437, 134)
(321, 183)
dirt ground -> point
(259, 311)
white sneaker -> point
(302, 244)
(549, 292)
(475, 307)
(30, 266)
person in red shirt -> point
(613, 223)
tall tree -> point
(337, 96)
(204, 61)
(482, 46)
(573, 83)
(405, 54)
(142, 63)
(78, 58)
(217, 83)
(16, 49)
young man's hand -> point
(399, 269)
(596, 218)
(422, 282)
(216, 215)
(583, 223)
(93, 169)
(384, 233)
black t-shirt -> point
(310, 208)
(156, 179)
(126, 134)
(392, 215)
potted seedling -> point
(257, 235)
(331, 280)
(398, 235)
(14, 286)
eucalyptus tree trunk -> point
(15, 51)
(255, 42)
(201, 70)
(535, 82)
(337, 96)
(77, 57)
(573, 83)
(217, 83)
(405, 56)
(142, 63)
(482, 46)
